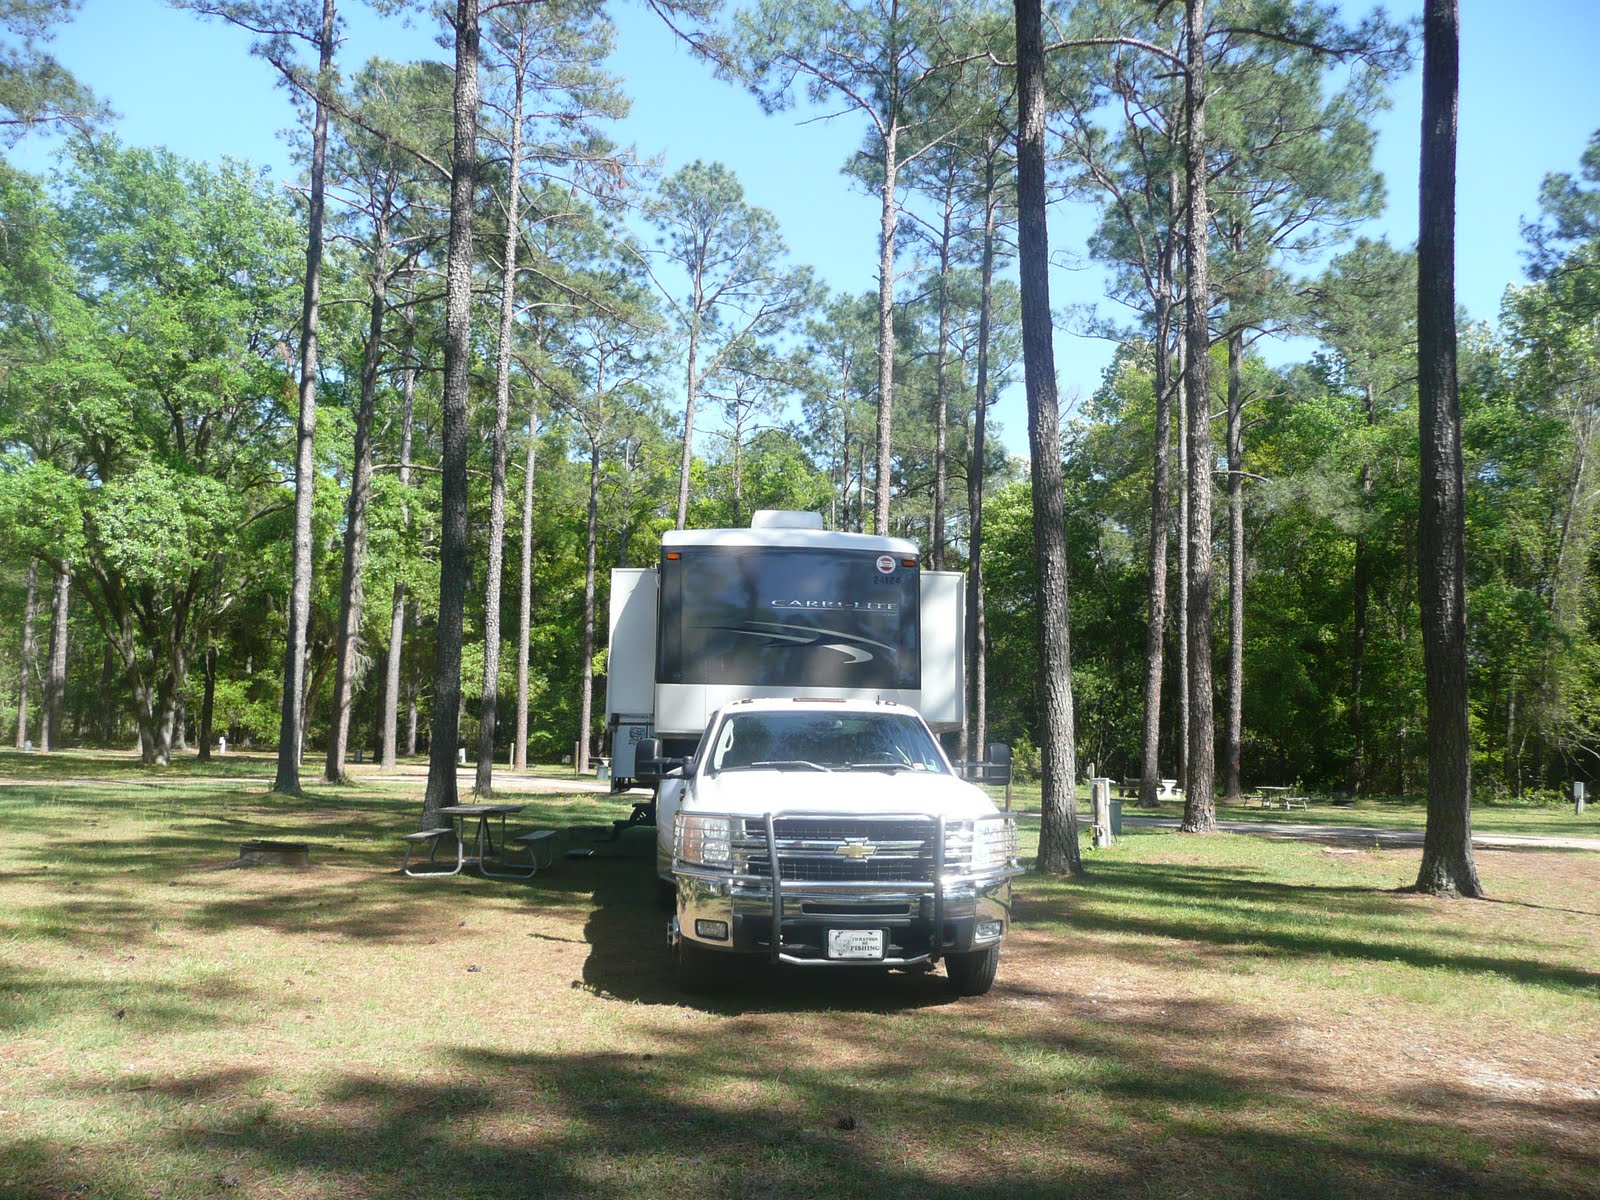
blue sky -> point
(1530, 98)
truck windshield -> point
(790, 617)
(825, 741)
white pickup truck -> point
(829, 832)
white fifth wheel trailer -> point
(784, 608)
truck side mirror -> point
(999, 771)
(647, 760)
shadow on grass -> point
(629, 958)
(953, 1103)
(1227, 908)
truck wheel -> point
(972, 974)
(697, 969)
(666, 894)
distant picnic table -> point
(1275, 796)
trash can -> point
(602, 770)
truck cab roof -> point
(817, 704)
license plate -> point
(855, 943)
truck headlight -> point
(993, 844)
(705, 840)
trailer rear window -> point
(789, 618)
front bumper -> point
(950, 911)
(912, 932)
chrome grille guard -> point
(954, 842)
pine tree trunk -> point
(1448, 867)
(445, 714)
(844, 486)
(29, 609)
(305, 470)
(55, 682)
(1160, 516)
(1182, 484)
(941, 414)
(489, 698)
(691, 387)
(525, 595)
(586, 695)
(412, 691)
(886, 229)
(1058, 827)
(351, 595)
(208, 702)
(1362, 586)
(108, 678)
(1200, 807)
(397, 608)
(976, 722)
(1231, 786)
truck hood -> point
(853, 792)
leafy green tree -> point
(1564, 243)
(167, 381)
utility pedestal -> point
(1100, 802)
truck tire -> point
(666, 894)
(696, 969)
(972, 974)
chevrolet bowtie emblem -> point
(856, 850)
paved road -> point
(1366, 836)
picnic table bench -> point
(1275, 797)
(484, 845)
(1167, 789)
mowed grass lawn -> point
(1224, 1016)
(1379, 812)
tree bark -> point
(886, 229)
(1448, 867)
(1160, 515)
(1200, 806)
(977, 721)
(691, 389)
(351, 596)
(305, 471)
(27, 665)
(586, 695)
(55, 683)
(444, 734)
(489, 699)
(108, 677)
(525, 595)
(208, 703)
(1361, 586)
(1058, 827)
(397, 608)
(1183, 564)
(941, 414)
(1235, 733)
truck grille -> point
(840, 851)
